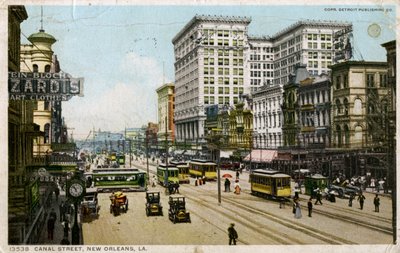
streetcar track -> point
(219, 228)
(337, 216)
(246, 223)
(323, 236)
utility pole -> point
(166, 155)
(147, 155)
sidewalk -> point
(58, 226)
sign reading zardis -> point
(43, 86)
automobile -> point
(153, 205)
(344, 191)
(89, 203)
(118, 201)
(177, 210)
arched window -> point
(371, 108)
(47, 133)
(47, 68)
(357, 106)
(358, 136)
(339, 136)
(346, 135)
(338, 86)
(338, 107)
(35, 68)
(346, 106)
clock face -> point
(76, 189)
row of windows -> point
(259, 65)
(323, 55)
(223, 90)
(222, 33)
(314, 45)
(223, 80)
(315, 64)
(313, 36)
(210, 100)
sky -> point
(124, 53)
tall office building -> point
(210, 68)
(309, 42)
(260, 62)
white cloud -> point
(131, 101)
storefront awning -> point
(261, 155)
(225, 154)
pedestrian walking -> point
(53, 214)
(237, 187)
(63, 210)
(319, 196)
(310, 206)
(232, 234)
(50, 227)
(57, 192)
(227, 185)
(361, 199)
(66, 229)
(237, 174)
(376, 203)
(351, 199)
(297, 213)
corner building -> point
(210, 68)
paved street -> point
(258, 221)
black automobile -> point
(343, 191)
(153, 204)
(177, 210)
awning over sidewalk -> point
(225, 154)
(261, 155)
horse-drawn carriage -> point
(118, 201)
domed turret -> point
(41, 36)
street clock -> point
(76, 189)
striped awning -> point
(261, 155)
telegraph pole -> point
(166, 155)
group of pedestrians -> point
(64, 218)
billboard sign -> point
(43, 86)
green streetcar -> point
(118, 179)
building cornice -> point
(311, 23)
(209, 18)
(348, 64)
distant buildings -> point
(166, 108)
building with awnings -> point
(261, 156)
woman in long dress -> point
(237, 187)
(297, 214)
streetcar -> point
(118, 179)
(270, 183)
(121, 159)
(169, 173)
(183, 168)
(203, 168)
(112, 156)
